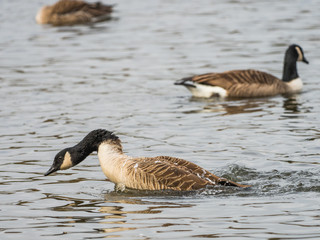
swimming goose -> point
(70, 12)
(143, 173)
(248, 83)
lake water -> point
(57, 84)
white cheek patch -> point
(67, 163)
(300, 55)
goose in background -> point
(71, 12)
(249, 83)
(143, 173)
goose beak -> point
(305, 60)
(51, 170)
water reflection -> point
(82, 30)
(148, 207)
(135, 211)
(114, 213)
(230, 107)
(294, 107)
(291, 104)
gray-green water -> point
(57, 84)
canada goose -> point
(143, 173)
(70, 12)
(248, 83)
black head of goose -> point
(143, 173)
(249, 83)
(71, 12)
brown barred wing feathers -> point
(157, 174)
(67, 6)
(244, 83)
(201, 172)
(70, 12)
(165, 172)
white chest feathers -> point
(295, 85)
(112, 163)
(206, 91)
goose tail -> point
(187, 82)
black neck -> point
(90, 143)
(290, 71)
(290, 64)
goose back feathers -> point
(71, 12)
(240, 83)
(144, 173)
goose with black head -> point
(249, 83)
(143, 173)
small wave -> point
(273, 182)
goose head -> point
(72, 156)
(43, 14)
(65, 159)
(296, 53)
(293, 54)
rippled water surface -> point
(57, 84)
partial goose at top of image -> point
(72, 12)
